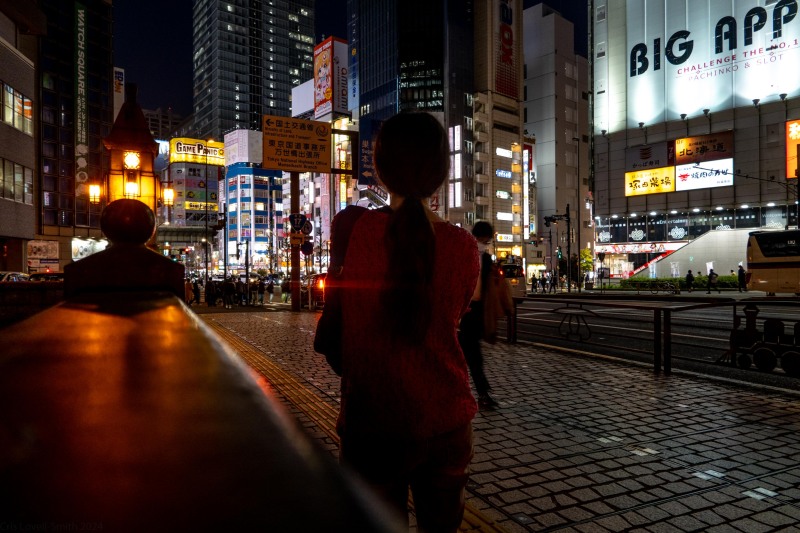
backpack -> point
(713, 277)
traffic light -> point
(558, 252)
(548, 221)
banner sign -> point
(704, 175)
(650, 181)
(649, 156)
(81, 97)
(704, 148)
(683, 57)
(792, 148)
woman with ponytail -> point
(406, 407)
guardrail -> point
(643, 327)
(120, 410)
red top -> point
(414, 392)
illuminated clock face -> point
(131, 159)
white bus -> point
(773, 261)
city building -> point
(502, 196)
(401, 60)
(462, 63)
(696, 121)
(75, 101)
(246, 59)
(252, 207)
(556, 114)
(21, 25)
(188, 228)
(163, 124)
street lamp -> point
(205, 203)
(578, 209)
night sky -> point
(153, 43)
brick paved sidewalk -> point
(589, 444)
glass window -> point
(18, 183)
(28, 186)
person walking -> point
(741, 278)
(229, 292)
(689, 281)
(406, 409)
(196, 291)
(262, 287)
(211, 293)
(286, 289)
(474, 325)
(188, 292)
(241, 292)
(713, 278)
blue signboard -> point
(368, 130)
(296, 220)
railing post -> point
(667, 341)
(657, 340)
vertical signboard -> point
(330, 77)
(368, 130)
(352, 63)
(119, 90)
(81, 99)
(792, 148)
(506, 75)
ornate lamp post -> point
(133, 151)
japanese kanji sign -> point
(296, 145)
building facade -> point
(556, 114)
(247, 57)
(695, 126)
(20, 28)
(400, 60)
(251, 199)
(75, 98)
(501, 195)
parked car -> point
(316, 284)
(13, 276)
(516, 279)
(47, 276)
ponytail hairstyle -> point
(412, 158)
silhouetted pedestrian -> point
(406, 405)
(713, 279)
(689, 281)
(741, 278)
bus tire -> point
(765, 359)
(743, 361)
(790, 363)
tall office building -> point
(502, 187)
(462, 62)
(76, 102)
(20, 27)
(556, 113)
(247, 57)
(416, 54)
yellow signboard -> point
(296, 145)
(650, 181)
(792, 148)
(183, 149)
(201, 206)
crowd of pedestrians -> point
(231, 292)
